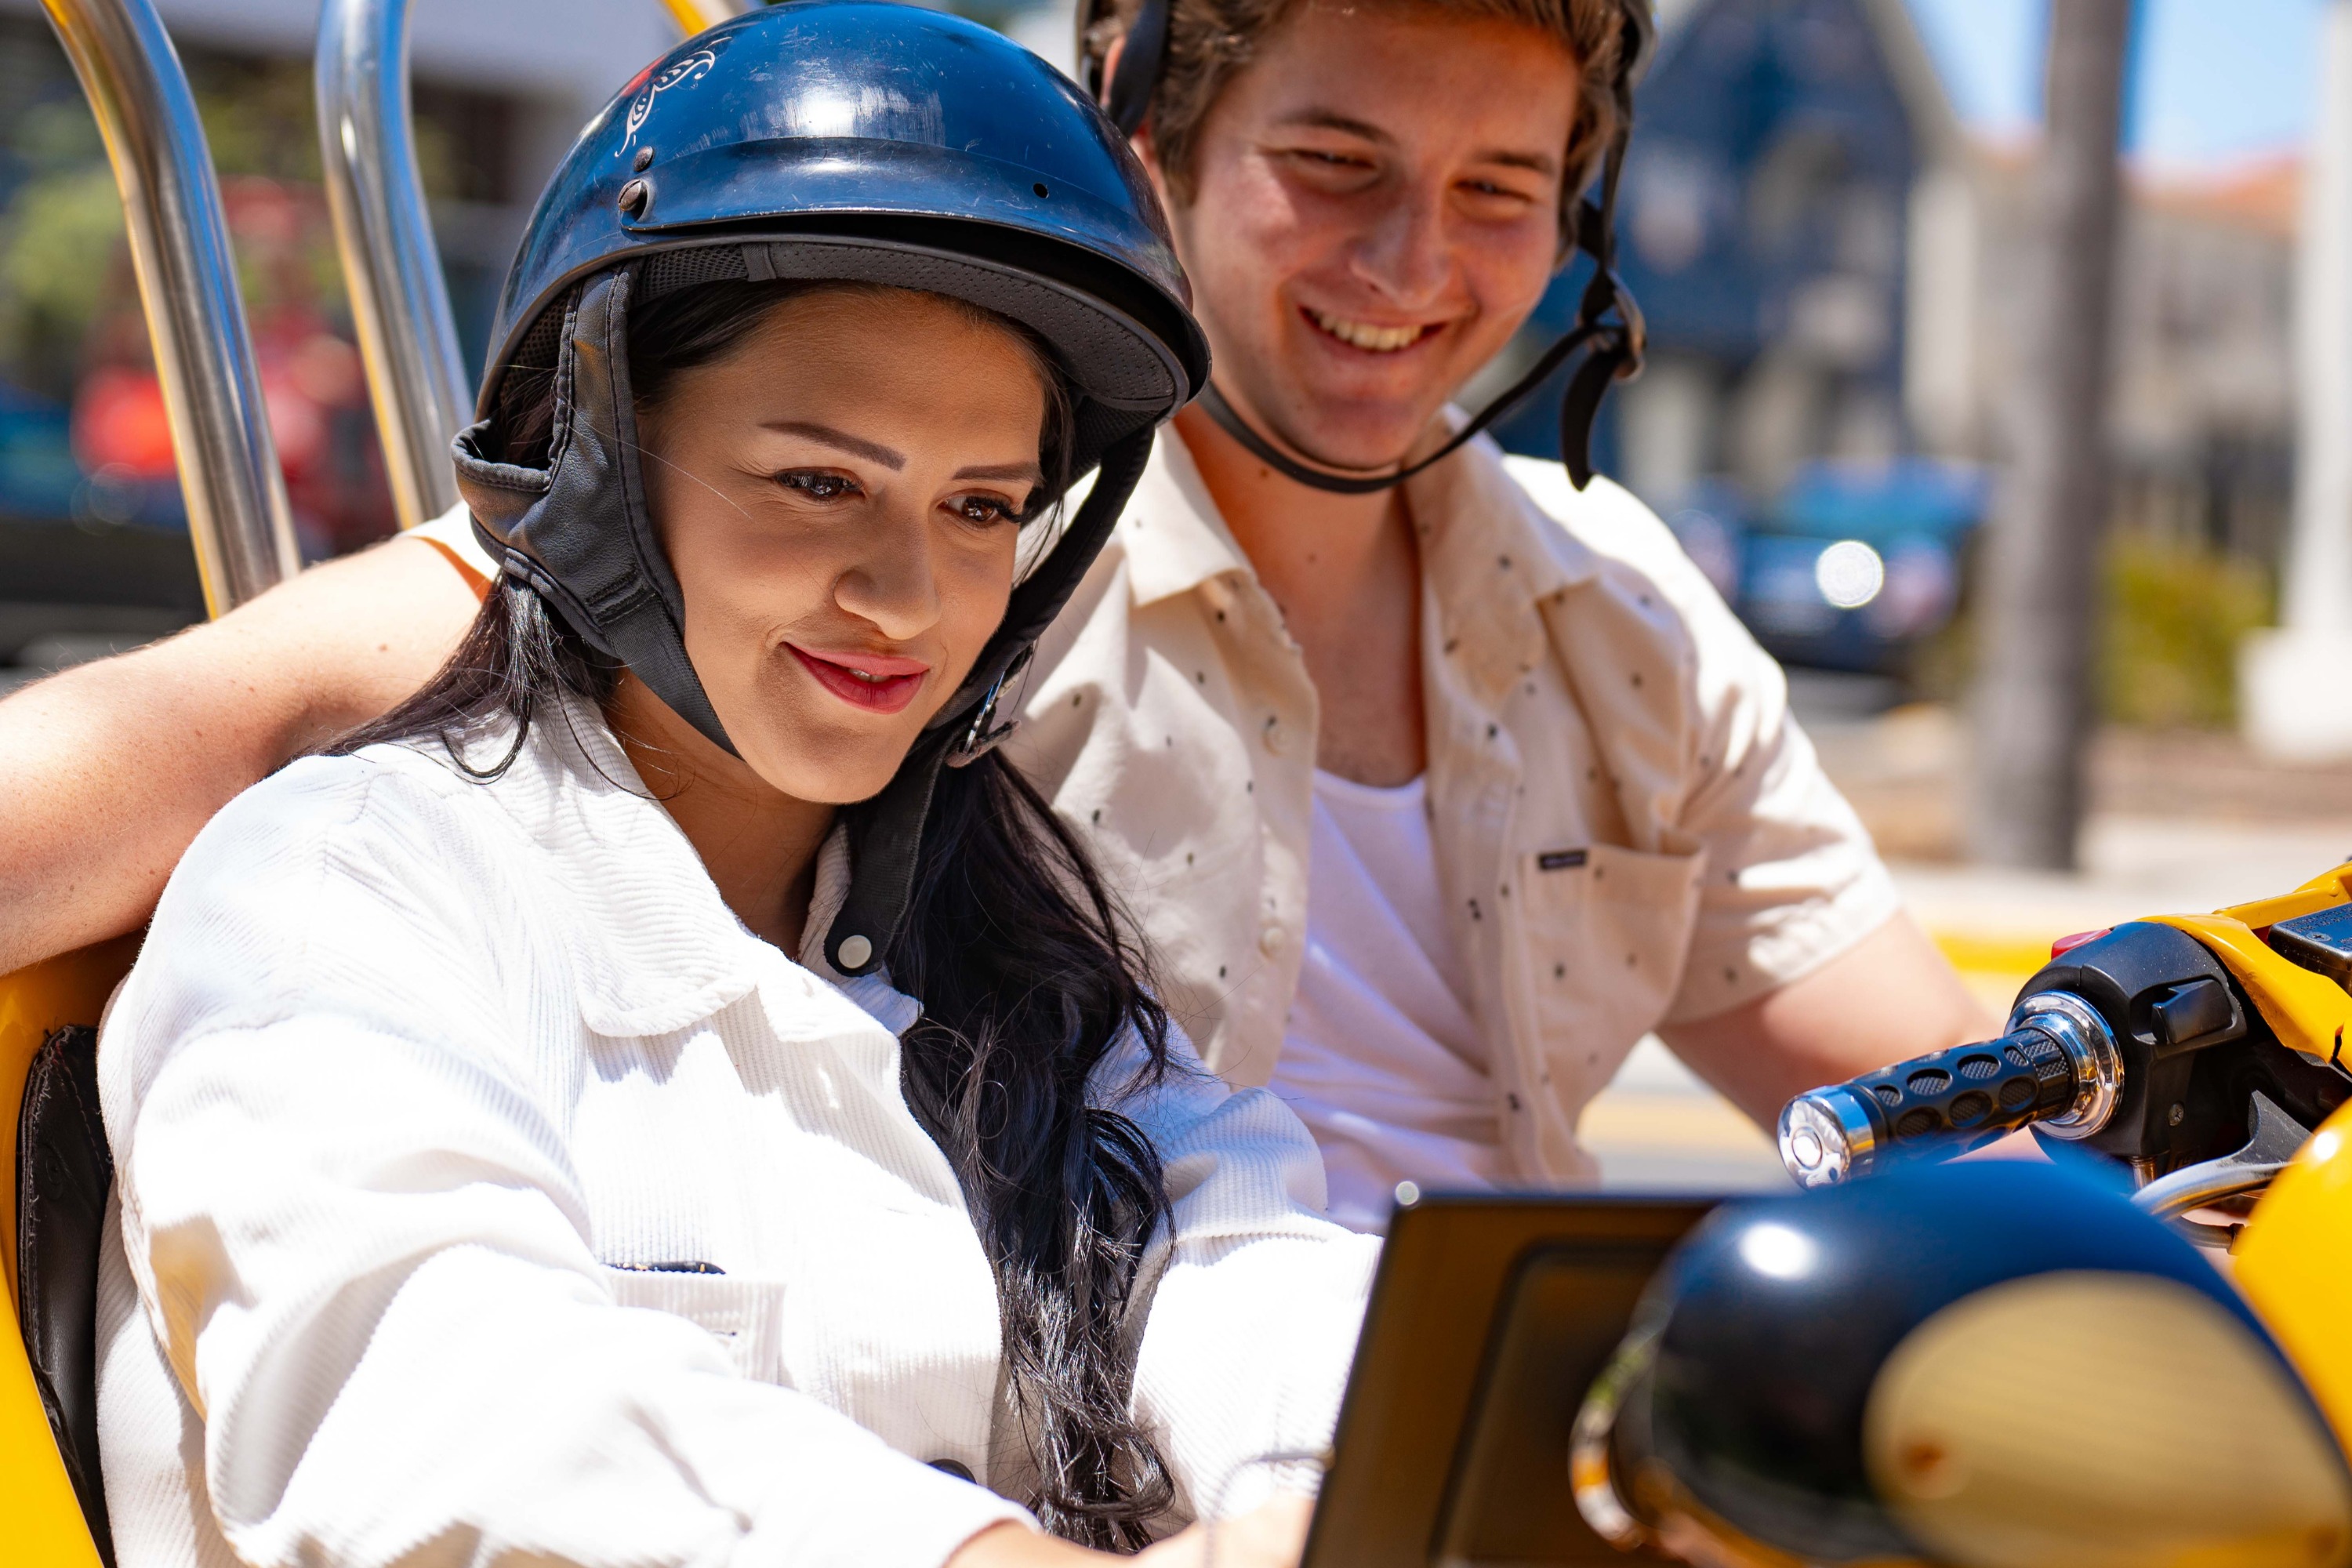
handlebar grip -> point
(2050, 1068)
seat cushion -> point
(64, 1170)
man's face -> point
(1375, 209)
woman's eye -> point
(981, 511)
(817, 485)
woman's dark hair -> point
(1027, 975)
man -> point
(1430, 801)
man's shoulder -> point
(1652, 590)
(1607, 526)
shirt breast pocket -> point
(1607, 931)
(745, 1316)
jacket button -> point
(1269, 940)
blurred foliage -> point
(2175, 616)
(65, 273)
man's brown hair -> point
(1210, 40)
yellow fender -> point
(2295, 1264)
(45, 1528)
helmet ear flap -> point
(579, 531)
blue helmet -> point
(828, 140)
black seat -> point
(64, 1170)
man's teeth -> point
(870, 680)
(1377, 340)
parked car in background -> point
(1850, 567)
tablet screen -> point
(1492, 1315)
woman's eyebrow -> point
(1030, 471)
(890, 457)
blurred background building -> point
(93, 545)
(1821, 223)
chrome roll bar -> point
(693, 16)
(400, 302)
(237, 511)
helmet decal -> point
(694, 67)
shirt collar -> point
(1471, 512)
(1173, 536)
(1490, 555)
(1480, 531)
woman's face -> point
(838, 499)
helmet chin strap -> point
(1609, 360)
(886, 832)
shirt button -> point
(1269, 940)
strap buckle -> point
(984, 734)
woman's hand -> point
(1271, 1535)
(1011, 1545)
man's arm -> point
(1889, 997)
(108, 770)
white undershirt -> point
(1380, 1056)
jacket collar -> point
(655, 947)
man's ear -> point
(1111, 57)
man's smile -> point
(1366, 336)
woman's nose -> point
(1406, 253)
(893, 582)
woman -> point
(495, 1185)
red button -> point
(2066, 944)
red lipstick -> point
(876, 682)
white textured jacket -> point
(490, 1194)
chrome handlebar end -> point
(1827, 1137)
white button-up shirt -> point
(1631, 829)
(487, 1192)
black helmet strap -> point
(579, 531)
(1141, 62)
(886, 832)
